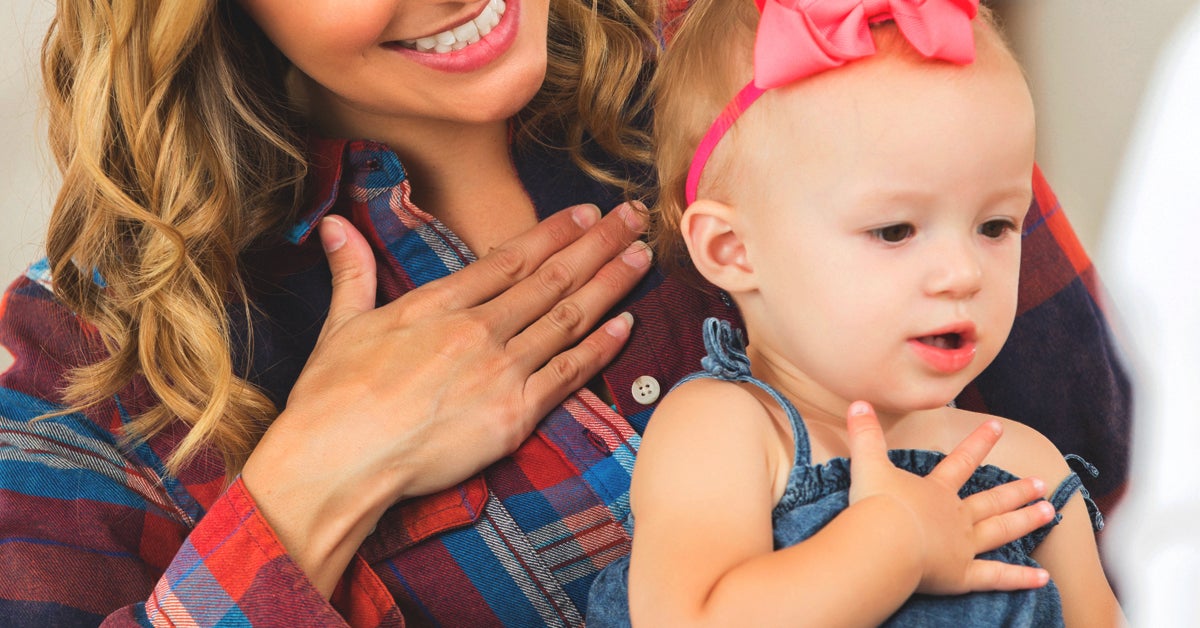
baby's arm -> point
(1069, 552)
(703, 551)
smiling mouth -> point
(460, 36)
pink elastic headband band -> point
(800, 38)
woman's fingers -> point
(571, 318)
(566, 272)
(570, 370)
(507, 264)
(353, 267)
(962, 461)
(511, 262)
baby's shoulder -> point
(711, 397)
(710, 408)
(1021, 450)
(1024, 451)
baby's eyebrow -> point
(884, 196)
(922, 197)
(1017, 192)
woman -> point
(188, 309)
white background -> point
(26, 183)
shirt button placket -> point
(646, 390)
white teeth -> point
(462, 36)
(467, 32)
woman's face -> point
(377, 62)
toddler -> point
(861, 199)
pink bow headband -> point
(799, 38)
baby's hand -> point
(945, 531)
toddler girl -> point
(867, 222)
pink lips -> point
(478, 54)
(947, 350)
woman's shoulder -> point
(37, 280)
(44, 447)
(43, 337)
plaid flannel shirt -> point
(91, 530)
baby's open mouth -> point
(460, 36)
(943, 341)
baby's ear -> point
(717, 250)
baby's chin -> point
(911, 404)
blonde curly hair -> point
(179, 148)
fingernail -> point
(1046, 508)
(1039, 486)
(637, 255)
(859, 408)
(995, 426)
(333, 235)
(620, 326)
(633, 215)
(585, 215)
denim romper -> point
(815, 494)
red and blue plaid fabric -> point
(93, 530)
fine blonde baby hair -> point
(706, 63)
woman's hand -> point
(945, 531)
(418, 395)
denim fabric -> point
(815, 494)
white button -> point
(646, 390)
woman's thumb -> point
(352, 265)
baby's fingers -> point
(1001, 499)
(865, 434)
(1010, 526)
(959, 464)
(993, 575)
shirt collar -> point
(551, 179)
(370, 164)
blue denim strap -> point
(727, 361)
(1093, 510)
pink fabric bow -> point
(799, 38)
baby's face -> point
(886, 232)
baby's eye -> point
(894, 234)
(996, 229)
